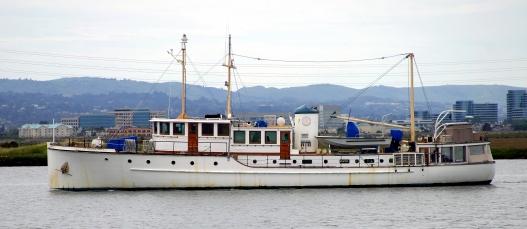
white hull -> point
(105, 170)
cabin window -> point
(255, 137)
(239, 137)
(164, 128)
(459, 154)
(270, 137)
(369, 161)
(207, 129)
(344, 161)
(155, 128)
(307, 161)
(224, 129)
(446, 154)
(477, 150)
(178, 128)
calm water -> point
(26, 201)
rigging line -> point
(200, 76)
(202, 80)
(319, 61)
(140, 103)
(238, 89)
(362, 91)
(423, 88)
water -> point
(26, 201)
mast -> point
(183, 114)
(412, 108)
(230, 66)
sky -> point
(454, 41)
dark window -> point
(294, 161)
(224, 129)
(164, 128)
(369, 160)
(446, 154)
(148, 161)
(391, 160)
(239, 137)
(459, 154)
(215, 163)
(307, 162)
(325, 161)
(207, 129)
(155, 128)
(179, 128)
(129, 161)
(270, 137)
(254, 161)
(344, 161)
(173, 162)
(255, 137)
(356, 161)
(381, 160)
(285, 137)
(191, 162)
(274, 161)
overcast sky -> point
(455, 42)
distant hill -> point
(24, 101)
(315, 93)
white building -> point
(45, 130)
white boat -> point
(226, 153)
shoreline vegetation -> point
(503, 145)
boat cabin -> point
(220, 136)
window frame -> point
(234, 136)
(259, 137)
(202, 128)
(174, 124)
(162, 131)
(271, 142)
(227, 132)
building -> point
(479, 112)
(96, 121)
(327, 124)
(464, 108)
(45, 131)
(486, 112)
(516, 105)
(422, 115)
(72, 121)
(135, 117)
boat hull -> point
(105, 170)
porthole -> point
(274, 161)
(356, 161)
(294, 161)
(254, 161)
(325, 161)
(191, 162)
(105, 158)
(129, 160)
(148, 161)
(390, 160)
(215, 163)
(381, 160)
(173, 162)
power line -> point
(319, 61)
